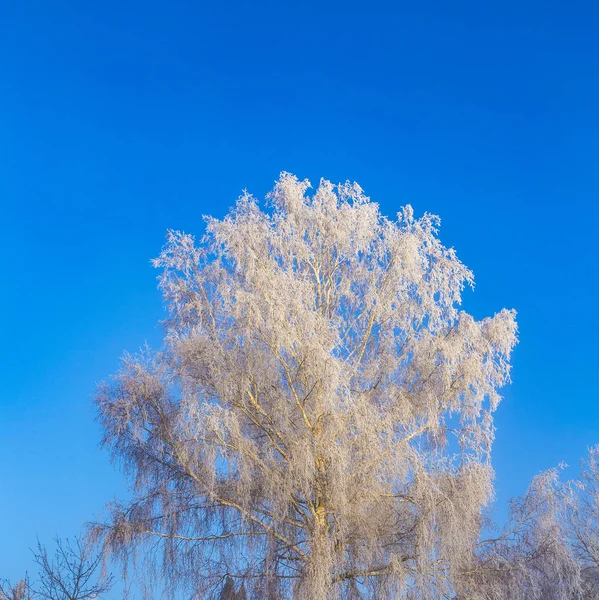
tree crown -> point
(320, 417)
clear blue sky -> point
(119, 120)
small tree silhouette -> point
(228, 592)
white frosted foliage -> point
(319, 421)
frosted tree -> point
(583, 525)
(19, 591)
(319, 421)
(531, 556)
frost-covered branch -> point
(319, 420)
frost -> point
(319, 421)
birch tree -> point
(583, 525)
(532, 556)
(319, 421)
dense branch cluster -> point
(318, 424)
(72, 573)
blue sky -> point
(120, 120)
